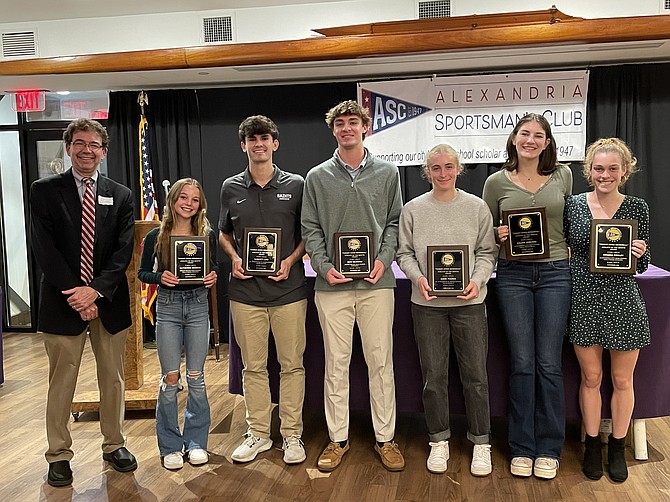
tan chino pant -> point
(252, 327)
(372, 310)
(64, 354)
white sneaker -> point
(251, 447)
(546, 467)
(521, 466)
(481, 460)
(197, 456)
(294, 450)
(439, 454)
(173, 461)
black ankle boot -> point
(616, 458)
(593, 457)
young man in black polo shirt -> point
(263, 196)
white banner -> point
(474, 114)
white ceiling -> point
(448, 62)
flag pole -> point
(148, 204)
(142, 99)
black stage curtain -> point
(299, 112)
(174, 136)
(632, 102)
(123, 156)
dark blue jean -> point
(534, 301)
(182, 319)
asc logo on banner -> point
(386, 111)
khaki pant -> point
(252, 328)
(64, 353)
(372, 310)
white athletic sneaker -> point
(481, 460)
(173, 461)
(521, 466)
(197, 456)
(439, 454)
(546, 467)
(251, 447)
(294, 450)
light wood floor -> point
(361, 477)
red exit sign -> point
(29, 101)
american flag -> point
(149, 208)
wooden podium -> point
(140, 394)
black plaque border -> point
(338, 258)
(465, 274)
(632, 268)
(245, 251)
(175, 240)
(509, 255)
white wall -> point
(183, 29)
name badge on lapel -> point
(105, 201)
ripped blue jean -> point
(182, 319)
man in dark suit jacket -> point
(69, 307)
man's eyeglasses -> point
(80, 145)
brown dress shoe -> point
(391, 457)
(332, 456)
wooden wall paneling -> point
(507, 19)
(422, 38)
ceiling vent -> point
(439, 8)
(217, 29)
(20, 44)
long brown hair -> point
(199, 222)
(548, 161)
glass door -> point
(16, 297)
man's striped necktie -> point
(87, 231)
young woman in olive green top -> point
(534, 297)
